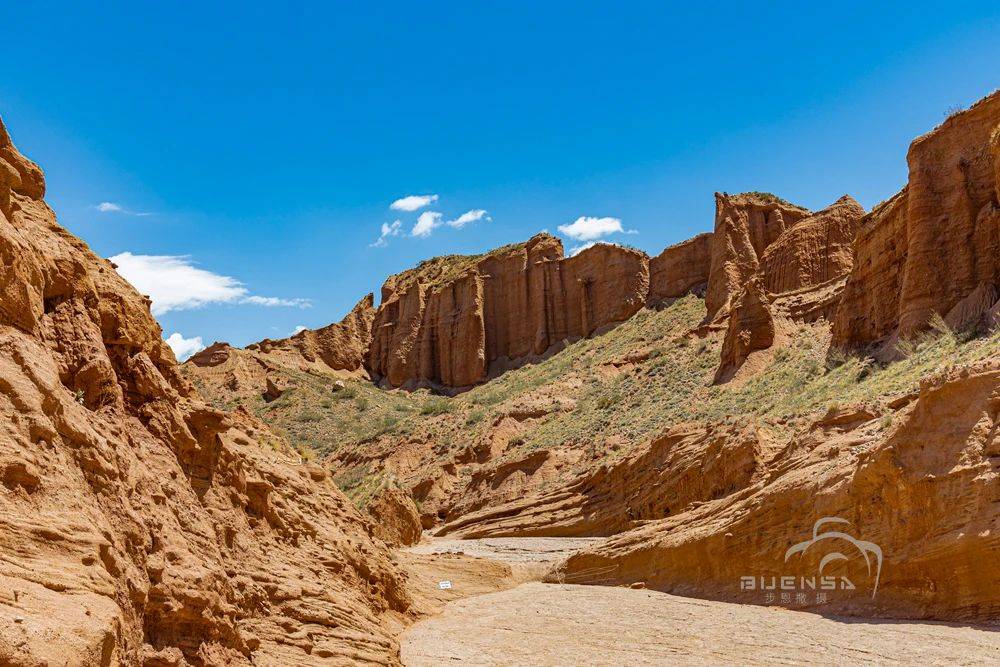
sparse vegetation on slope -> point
(318, 416)
(603, 396)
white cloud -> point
(576, 250)
(387, 230)
(112, 207)
(591, 229)
(431, 220)
(413, 202)
(426, 223)
(298, 328)
(474, 215)
(173, 283)
(184, 347)
(272, 301)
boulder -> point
(396, 517)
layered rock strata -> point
(919, 500)
(454, 320)
(937, 241)
(680, 269)
(137, 524)
(798, 278)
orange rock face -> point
(689, 464)
(751, 327)
(396, 518)
(817, 249)
(680, 269)
(934, 243)
(745, 225)
(340, 346)
(799, 278)
(924, 493)
(455, 320)
(263, 369)
(869, 307)
(137, 524)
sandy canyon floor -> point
(531, 623)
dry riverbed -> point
(531, 623)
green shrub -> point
(437, 406)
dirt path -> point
(477, 567)
(508, 549)
(550, 624)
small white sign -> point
(444, 584)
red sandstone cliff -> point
(454, 320)
(935, 242)
(798, 277)
(680, 269)
(340, 346)
(745, 225)
(137, 524)
(925, 492)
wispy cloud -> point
(112, 207)
(184, 347)
(272, 301)
(387, 231)
(431, 220)
(576, 250)
(413, 202)
(172, 282)
(426, 223)
(298, 328)
(468, 217)
(591, 229)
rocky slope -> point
(137, 524)
(925, 492)
(340, 346)
(337, 349)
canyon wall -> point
(138, 525)
(924, 493)
(680, 269)
(813, 251)
(745, 225)
(937, 241)
(798, 277)
(340, 346)
(691, 463)
(456, 320)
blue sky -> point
(265, 145)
